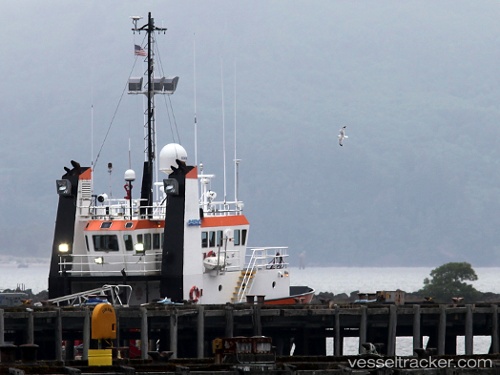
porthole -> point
(220, 288)
(274, 284)
(129, 224)
(106, 224)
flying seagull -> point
(342, 135)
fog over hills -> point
(417, 84)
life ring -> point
(194, 294)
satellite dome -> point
(168, 155)
(129, 175)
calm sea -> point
(370, 279)
(34, 276)
(323, 279)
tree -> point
(448, 282)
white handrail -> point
(112, 263)
(261, 258)
(247, 281)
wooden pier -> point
(187, 331)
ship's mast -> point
(147, 176)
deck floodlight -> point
(135, 84)
(102, 197)
(139, 247)
(171, 186)
(158, 83)
(99, 260)
(63, 187)
(228, 233)
(170, 84)
(63, 248)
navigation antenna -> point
(195, 117)
(154, 86)
(236, 160)
(223, 128)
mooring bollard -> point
(29, 353)
(8, 353)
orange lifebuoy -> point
(194, 294)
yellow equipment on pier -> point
(103, 328)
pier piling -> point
(469, 339)
(200, 331)
(188, 331)
(2, 327)
(417, 334)
(494, 329)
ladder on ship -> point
(112, 293)
(243, 285)
(245, 281)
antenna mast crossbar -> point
(147, 182)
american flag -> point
(139, 51)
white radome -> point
(129, 175)
(169, 154)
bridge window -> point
(108, 242)
(240, 237)
(219, 238)
(204, 239)
(145, 239)
(87, 243)
(243, 237)
(156, 241)
(129, 243)
(211, 239)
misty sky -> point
(416, 83)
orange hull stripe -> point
(95, 225)
(222, 221)
(292, 300)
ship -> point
(175, 242)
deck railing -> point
(111, 264)
(120, 209)
(258, 259)
(268, 257)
